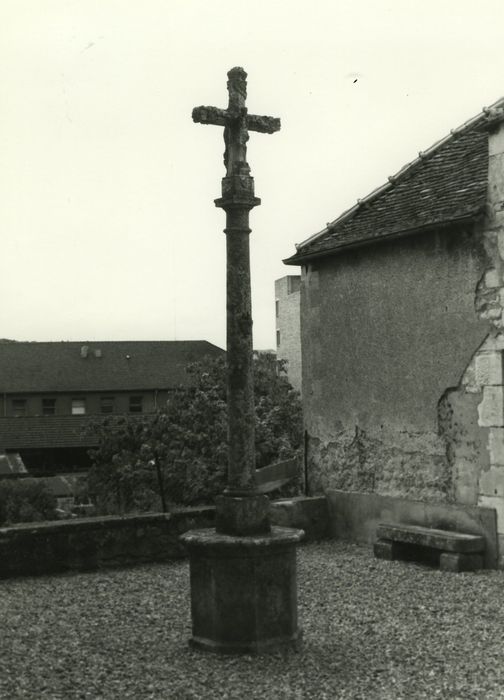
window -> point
(278, 338)
(107, 404)
(78, 407)
(48, 407)
(277, 308)
(135, 404)
(19, 407)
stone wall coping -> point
(455, 507)
(112, 522)
(104, 521)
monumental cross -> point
(243, 572)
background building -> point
(50, 392)
(288, 333)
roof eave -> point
(484, 116)
(300, 259)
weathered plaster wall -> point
(386, 331)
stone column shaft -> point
(241, 470)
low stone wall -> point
(303, 513)
(86, 544)
(354, 516)
(99, 542)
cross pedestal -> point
(243, 573)
(243, 591)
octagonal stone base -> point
(243, 590)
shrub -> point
(24, 501)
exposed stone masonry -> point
(485, 374)
(401, 464)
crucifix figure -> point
(237, 200)
(236, 122)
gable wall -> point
(386, 331)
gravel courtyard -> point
(372, 629)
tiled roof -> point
(445, 184)
(28, 432)
(107, 366)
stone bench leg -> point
(385, 549)
(449, 561)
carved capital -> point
(237, 193)
(242, 185)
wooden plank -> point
(274, 476)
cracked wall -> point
(385, 331)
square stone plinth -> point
(243, 590)
(242, 515)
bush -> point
(23, 501)
(188, 440)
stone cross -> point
(237, 200)
(243, 572)
(236, 122)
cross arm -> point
(265, 125)
(210, 115)
(222, 117)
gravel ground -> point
(372, 629)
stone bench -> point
(457, 551)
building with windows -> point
(287, 324)
(49, 392)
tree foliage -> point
(188, 440)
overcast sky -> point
(107, 221)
